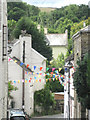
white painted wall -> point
(33, 58)
(66, 98)
(3, 63)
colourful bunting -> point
(29, 81)
(53, 69)
(23, 81)
(27, 66)
(9, 59)
(47, 69)
(21, 64)
(18, 81)
(41, 68)
(35, 77)
(60, 69)
(56, 71)
(34, 67)
(15, 61)
(46, 80)
(53, 76)
(14, 81)
(39, 80)
(36, 80)
(51, 72)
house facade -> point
(69, 89)
(3, 59)
(26, 71)
(81, 42)
(81, 46)
(58, 43)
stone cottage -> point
(26, 71)
(81, 46)
(81, 42)
(3, 59)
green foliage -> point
(16, 10)
(11, 88)
(11, 26)
(55, 86)
(69, 17)
(82, 81)
(38, 38)
(59, 62)
(77, 26)
(44, 98)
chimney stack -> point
(84, 24)
(45, 31)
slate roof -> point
(57, 39)
(83, 30)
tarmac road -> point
(50, 117)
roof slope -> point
(38, 54)
(57, 39)
(83, 30)
(23, 65)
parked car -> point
(17, 114)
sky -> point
(55, 3)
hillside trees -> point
(16, 10)
(69, 17)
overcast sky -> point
(55, 3)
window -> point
(5, 41)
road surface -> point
(50, 117)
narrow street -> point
(50, 117)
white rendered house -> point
(3, 59)
(33, 77)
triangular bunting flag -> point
(34, 67)
(47, 69)
(27, 66)
(41, 68)
(21, 64)
(60, 69)
(53, 69)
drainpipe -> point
(23, 77)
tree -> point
(54, 83)
(11, 26)
(45, 99)
(55, 86)
(16, 10)
(59, 62)
(11, 88)
(38, 38)
(82, 81)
